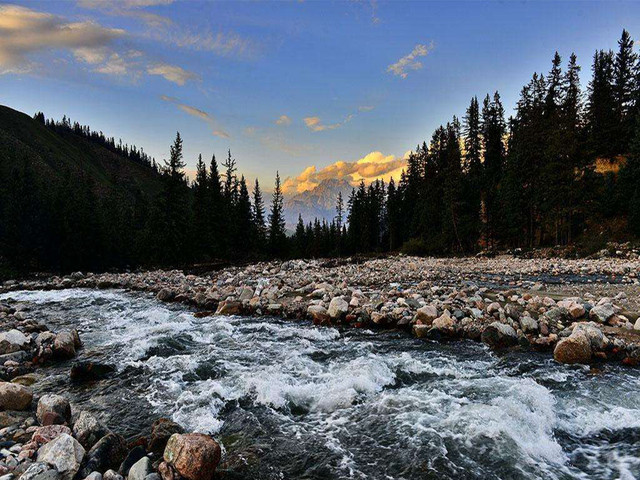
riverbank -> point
(582, 310)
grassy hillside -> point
(53, 155)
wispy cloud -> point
(371, 167)
(198, 113)
(365, 108)
(409, 62)
(283, 120)
(172, 73)
(277, 141)
(130, 8)
(316, 125)
(25, 32)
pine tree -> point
(601, 108)
(623, 87)
(200, 214)
(277, 234)
(258, 217)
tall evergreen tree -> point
(277, 233)
(258, 217)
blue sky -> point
(344, 79)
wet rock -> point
(165, 295)
(88, 429)
(194, 456)
(107, 453)
(94, 476)
(86, 371)
(40, 471)
(319, 315)
(64, 345)
(53, 410)
(338, 307)
(14, 396)
(64, 453)
(140, 469)
(13, 341)
(576, 348)
(132, 457)
(161, 431)
(499, 335)
(426, 315)
(602, 313)
(556, 317)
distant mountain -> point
(317, 203)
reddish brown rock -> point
(194, 456)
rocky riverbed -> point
(573, 311)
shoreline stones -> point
(408, 293)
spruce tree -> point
(258, 217)
(277, 233)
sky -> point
(312, 89)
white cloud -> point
(316, 125)
(25, 32)
(409, 62)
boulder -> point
(132, 458)
(112, 475)
(421, 331)
(64, 345)
(602, 313)
(64, 453)
(229, 307)
(94, 476)
(43, 435)
(319, 315)
(445, 324)
(338, 307)
(140, 469)
(165, 295)
(576, 348)
(194, 456)
(528, 324)
(596, 338)
(88, 429)
(13, 341)
(40, 471)
(499, 335)
(556, 317)
(14, 396)
(88, 370)
(107, 453)
(426, 315)
(161, 431)
(53, 410)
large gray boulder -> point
(40, 471)
(64, 453)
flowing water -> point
(289, 400)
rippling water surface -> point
(289, 400)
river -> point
(289, 400)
